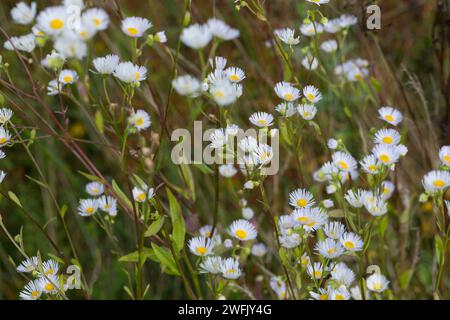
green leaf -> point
(439, 248)
(166, 259)
(14, 198)
(90, 177)
(376, 85)
(147, 253)
(404, 279)
(383, 226)
(178, 225)
(188, 179)
(99, 121)
(121, 194)
(154, 227)
(63, 211)
(203, 168)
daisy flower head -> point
(310, 62)
(242, 230)
(344, 161)
(386, 154)
(87, 207)
(2, 173)
(370, 164)
(332, 26)
(95, 188)
(106, 64)
(444, 155)
(235, 74)
(5, 115)
(387, 190)
(329, 248)
(387, 136)
(201, 246)
(32, 291)
(355, 198)
(25, 43)
(319, 2)
(301, 198)
(328, 203)
(230, 268)
(140, 120)
(135, 26)
(342, 275)
(49, 284)
(248, 213)
(261, 119)
(316, 270)
(187, 85)
(376, 205)
(307, 111)
(67, 76)
(322, 294)
(377, 283)
(227, 170)
(311, 29)
(332, 144)
(52, 20)
(71, 48)
(95, 19)
(50, 267)
(334, 230)
(259, 249)
(142, 193)
(286, 91)
(160, 37)
(279, 287)
(311, 219)
(287, 35)
(53, 60)
(347, 20)
(286, 109)
(340, 294)
(312, 94)
(329, 46)
(436, 181)
(130, 73)
(221, 30)
(28, 265)
(196, 36)
(211, 264)
(263, 154)
(390, 115)
(351, 242)
(108, 204)
(225, 92)
(23, 13)
(5, 136)
(54, 87)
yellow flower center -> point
(241, 234)
(331, 251)
(139, 122)
(219, 94)
(372, 167)
(323, 296)
(446, 158)
(302, 219)
(388, 117)
(231, 271)
(343, 165)
(201, 250)
(35, 294)
(49, 287)
(133, 31)
(310, 96)
(50, 272)
(384, 158)
(349, 245)
(137, 75)
(377, 286)
(388, 140)
(3, 140)
(317, 273)
(262, 122)
(97, 21)
(288, 96)
(90, 210)
(311, 224)
(386, 191)
(83, 34)
(56, 24)
(141, 197)
(439, 183)
(339, 297)
(358, 76)
(302, 202)
(234, 77)
(67, 79)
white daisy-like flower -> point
(5, 136)
(287, 35)
(201, 246)
(310, 29)
(347, 20)
(311, 218)
(286, 109)
(235, 74)
(261, 119)
(319, 2)
(78, 3)
(108, 204)
(225, 92)
(312, 94)
(248, 213)
(52, 20)
(67, 76)
(340, 294)
(160, 37)
(390, 115)
(95, 19)
(95, 188)
(32, 291)
(332, 26)
(49, 284)
(23, 13)
(71, 48)
(130, 73)
(221, 30)
(290, 241)
(355, 198)
(106, 64)
(307, 111)
(301, 198)
(248, 144)
(54, 87)
(376, 205)
(28, 265)
(329, 46)
(242, 230)
(279, 287)
(322, 294)
(387, 189)
(227, 170)
(377, 283)
(5, 115)
(2, 173)
(263, 154)
(344, 161)
(334, 229)
(387, 136)
(329, 248)
(436, 180)
(342, 275)
(187, 85)
(25, 43)
(135, 26)
(286, 91)
(351, 242)
(310, 62)
(211, 264)
(328, 203)
(140, 120)
(53, 60)
(332, 144)
(386, 154)
(259, 249)
(230, 268)
(142, 193)
(444, 155)
(218, 138)
(87, 207)
(316, 270)
(50, 267)
(196, 36)
(370, 164)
